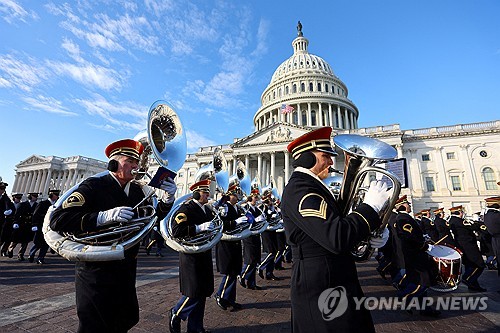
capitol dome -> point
(305, 91)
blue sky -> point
(76, 76)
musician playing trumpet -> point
(106, 298)
(322, 240)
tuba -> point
(241, 181)
(166, 142)
(361, 154)
(217, 172)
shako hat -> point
(319, 139)
(127, 147)
(202, 185)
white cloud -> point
(48, 104)
(12, 11)
(16, 73)
(72, 48)
(196, 140)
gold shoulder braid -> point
(408, 228)
(312, 205)
(181, 217)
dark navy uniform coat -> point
(228, 253)
(321, 241)
(466, 241)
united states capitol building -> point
(445, 166)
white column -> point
(287, 166)
(259, 166)
(468, 166)
(443, 182)
(75, 177)
(247, 162)
(43, 179)
(299, 115)
(351, 119)
(339, 117)
(273, 166)
(330, 116)
(28, 182)
(22, 181)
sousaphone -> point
(165, 143)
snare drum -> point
(448, 260)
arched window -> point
(489, 179)
(319, 86)
(302, 87)
(311, 86)
(279, 92)
(274, 94)
(295, 118)
(286, 90)
(326, 87)
(313, 118)
(294, 88)
(304, 118)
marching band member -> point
(251, 247)
(39, 242)
(322, 239)
(269, 242)
(106, 298)
(196, 274)
(5, 210)
(419, 270)
(21, 229)
(228, 254)
(492, 223)
(443, 227)
(466, 241)
(9, 214)
(428, 225)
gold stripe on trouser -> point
(400, 281)
(383, 269)
(150, 244)
(277, 255)
(182, 306)
(224, 288)
(245, 272)
(265, 259)
(474, 271)
(414, 291)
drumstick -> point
(439, 241)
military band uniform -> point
(5, 204)
(443, 229)
(420, 272)
(229, 259)
(486, 246)
(387, 263)
(492, 223)
(429, 228)
(269, 245)
(105, 291)
(39, 243)
(466, 241)
(196, 274)
(251, 255)
(6, 231)
(23, 234)
(280, 255)
(321, 241)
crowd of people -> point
(315, 235)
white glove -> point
(427, 237)
(204, 227)
(155, 228)
(118, 214)
(241, 219)
(34, 228)
(379, 241)
(15, 226)
(377, 195)
(260, 218)
(273, 216)
(430, 247)
(223, 210)
(7, 212)
(170, 188)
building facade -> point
(446, 166)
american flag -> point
(285, 108)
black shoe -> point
(491, 266)
(200, 331)
(272, 277)
(10, 254)
(147, 252)
(279, 268)
(40, 262)
(261, 273)
(235, 306)
(242, 281)
(476, 288)
(221, 302)
(31, 258)
(20, 257)
(174, 322)
(382, 274)
(255, 288)
(52, 251)
(430, 312)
